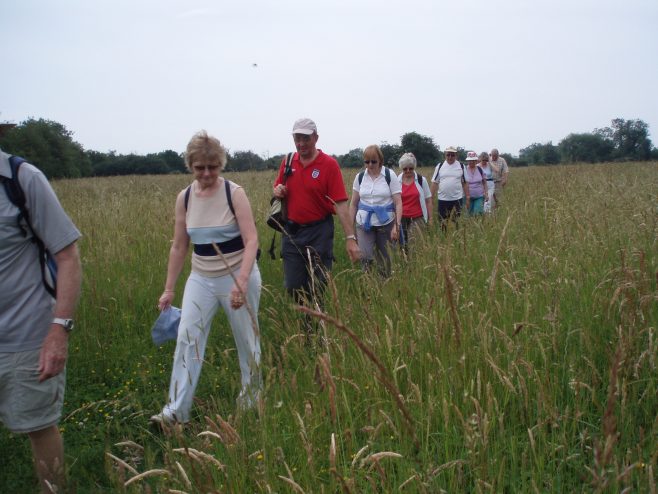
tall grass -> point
(517, 353)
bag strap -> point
(16, 195)
(387, 175)
(287, 170)
(229, 200)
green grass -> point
(514, 354)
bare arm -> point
(397, 201)
(428, 205)
(247, 225)
(434, 188)
(347, 222)
(177, 253)
(354, 206)
(54, 351)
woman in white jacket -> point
(416, 198)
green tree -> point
(273, 162)
(424, 149)
(173, 160)
(49, 146)
(244, 160)
(392, 153)
(352, 159)
(540, 154)
(587, 148)
(629, 137)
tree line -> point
(51, 147)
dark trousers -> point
(308, 254)
(449, 210)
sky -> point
(142, 76)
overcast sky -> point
(143, 75)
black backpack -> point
(227, 184)
(436, 175)
(387, 175)
(16, 195)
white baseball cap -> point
(304, 126)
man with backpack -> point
(449, 181)
(314, 191)
(35, 311)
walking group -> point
(214, 216)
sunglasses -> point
(371, 162)
(210, 168)
(407, 169)
(451, 154)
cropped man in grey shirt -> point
(34, 327)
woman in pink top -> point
(477, 184)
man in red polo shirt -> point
(314, 191)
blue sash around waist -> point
(380, 211)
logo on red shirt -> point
(316, 173)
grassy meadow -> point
(517, 353)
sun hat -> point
(450, 149)
(166, 326)
(472, 156)
(304, 126)
(407, 159)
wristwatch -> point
(350, 237)
(67, 324)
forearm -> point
(248, 261)
(346, 220)
(175, 266)
(69, 278)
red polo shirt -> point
(312, 188)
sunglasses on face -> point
(371, 162)
(201, 168)
(451, 154)
(407, 169)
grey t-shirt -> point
(26, 308)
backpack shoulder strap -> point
(481, 171)
(16, 195)
(287, 170)
(419, 179)
(12, 185)
(387, 175)
(438, 170)
(187, 195)
(361, 176)
(227, 186)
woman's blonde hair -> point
(205, 148)
(374, 149)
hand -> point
(166, 299)
(353, 250)
(238, 294)
(486, 197)
(54, 352)
(395, 233)
(280, 191)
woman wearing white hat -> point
(477, 185)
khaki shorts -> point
(26, 405)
